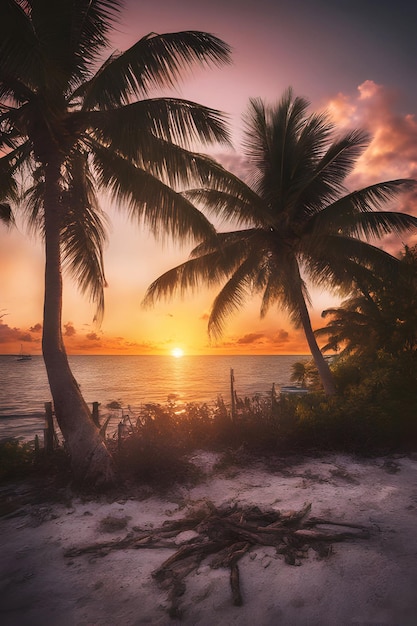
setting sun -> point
(177, 352)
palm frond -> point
(84, 233)
(33, 199)
(19, 50)
(232, 245)
(6, 214)
(207, 268)
(377, 225)
(8, 187)
(14, 92)
(232, 296)
(130, 132)
(326, 182)
(337, 261)
(91, 21)
(353, 213)
(273, 294)
(83, 237)
(243, 210)
(70, 37)
(211, 262)
(271, 136)
(283, 284)
(147, 199)
(155, 61)
(174, 121)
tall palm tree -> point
(73, 125)
(294, 221)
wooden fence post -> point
(49, 429)
(96, 418)
(232, 393)
(119, 435)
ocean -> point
(133, 381)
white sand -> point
(363, 582)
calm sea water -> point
(132, 381)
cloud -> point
(92, 342)
(280, 337)
(392, 152)
(92, 337)
(69, 330)
(261, 338)
(37, 328)
(10, 335)
(251, 338)
(265, 342)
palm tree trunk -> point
(90, 460)
(325, 374)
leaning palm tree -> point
(295, 221)
(74, 124)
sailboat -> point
(23, 356)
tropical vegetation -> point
(78, 120)
(380, 314)
(294, 222)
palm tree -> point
(381, 315)
(358, 325)
(294, 221)
(73, 125)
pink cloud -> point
(392, 152)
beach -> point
(371, 580)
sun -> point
(177, 352)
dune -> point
(47, 578)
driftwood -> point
(224, 535)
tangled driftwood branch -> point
(225, 534)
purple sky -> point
(356, 58)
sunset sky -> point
(356, 58)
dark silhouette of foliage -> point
(295, 221)
(78, 121)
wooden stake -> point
(49, 429)
(96, 418)
(232, 393)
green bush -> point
(376, 408)
(16, 459)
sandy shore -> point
(362, 581)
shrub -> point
(16, 459)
